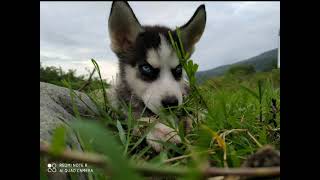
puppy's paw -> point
(161, 132)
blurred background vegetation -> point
(55, 75)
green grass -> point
(232, 117)
(234, 108)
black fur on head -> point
(149, 38)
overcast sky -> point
(71, 33)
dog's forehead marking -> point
(164, 55)
(165, 51)
(153, 58)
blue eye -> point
(146, 68)
(148, 73)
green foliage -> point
(101, 82)
(188, 65)
(233, 115)
(55, 76)
(58, 140)
(234, 109)
(43, 165)
(242, 70)
(232, 82)
(104, 142)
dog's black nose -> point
(169, 101)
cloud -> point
(73, 32)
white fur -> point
(153, 58)
(166, 85)
(152, 93)
(167, 55)
(163, 56)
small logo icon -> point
(52, 167)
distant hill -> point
(262, 62)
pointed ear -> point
(192, 31)
(123, 26)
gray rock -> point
(56, 109)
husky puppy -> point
(150, 74)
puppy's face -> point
(148, 63)
(156, 74)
